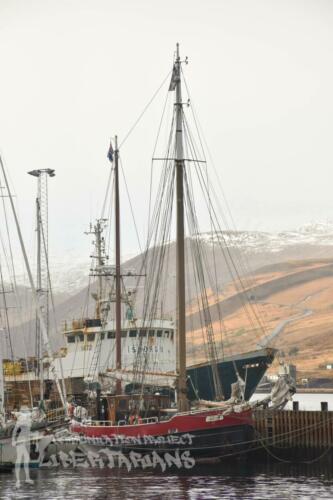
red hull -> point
(182, 423)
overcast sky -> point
(75, 72)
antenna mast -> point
(46, 339)
(99, 255)
(42, 282)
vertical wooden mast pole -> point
(118, 275)
(181, 324)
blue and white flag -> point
(110, 152)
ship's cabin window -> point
(90, 337)
(111, 335)
(102, 335)
(133, 333)
(89, 323)
(166, 333)
(80, 337)
(151, 333)
(123, 334)
(71, 339)
(171, 335)
(159, 333)
(143, 333)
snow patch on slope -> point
(315, 233)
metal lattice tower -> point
(42, 259)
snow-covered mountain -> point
(315, 234)
(261, 250)
(70, 273)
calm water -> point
(243, 480)
(259, 482)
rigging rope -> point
(144, 110)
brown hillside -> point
(292, 290)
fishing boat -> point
(148, 420)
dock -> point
(294, 434)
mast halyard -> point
(118, 272)
(180, 241)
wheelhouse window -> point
(71, 339)
(123, 334)
(159, 333)
(90, 337)
(80, 337)
(143, 333)
(133, 333)
(166, 333)
(89, 323)
(102, 335)
(111, 335)
(151, 333)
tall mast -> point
(117, 274)
(180, 242)
(44, 331)
(42, 261)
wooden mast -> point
(180, 242)
(117, 274)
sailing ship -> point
(90, 341)
(144, 420)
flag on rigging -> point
(174, 78)
(110, 152)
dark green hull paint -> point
(251, 367)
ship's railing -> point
(108, 423)
(81, 323)
(105, 423)
(56, 414)
(149, 420)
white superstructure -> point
(91, 350)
